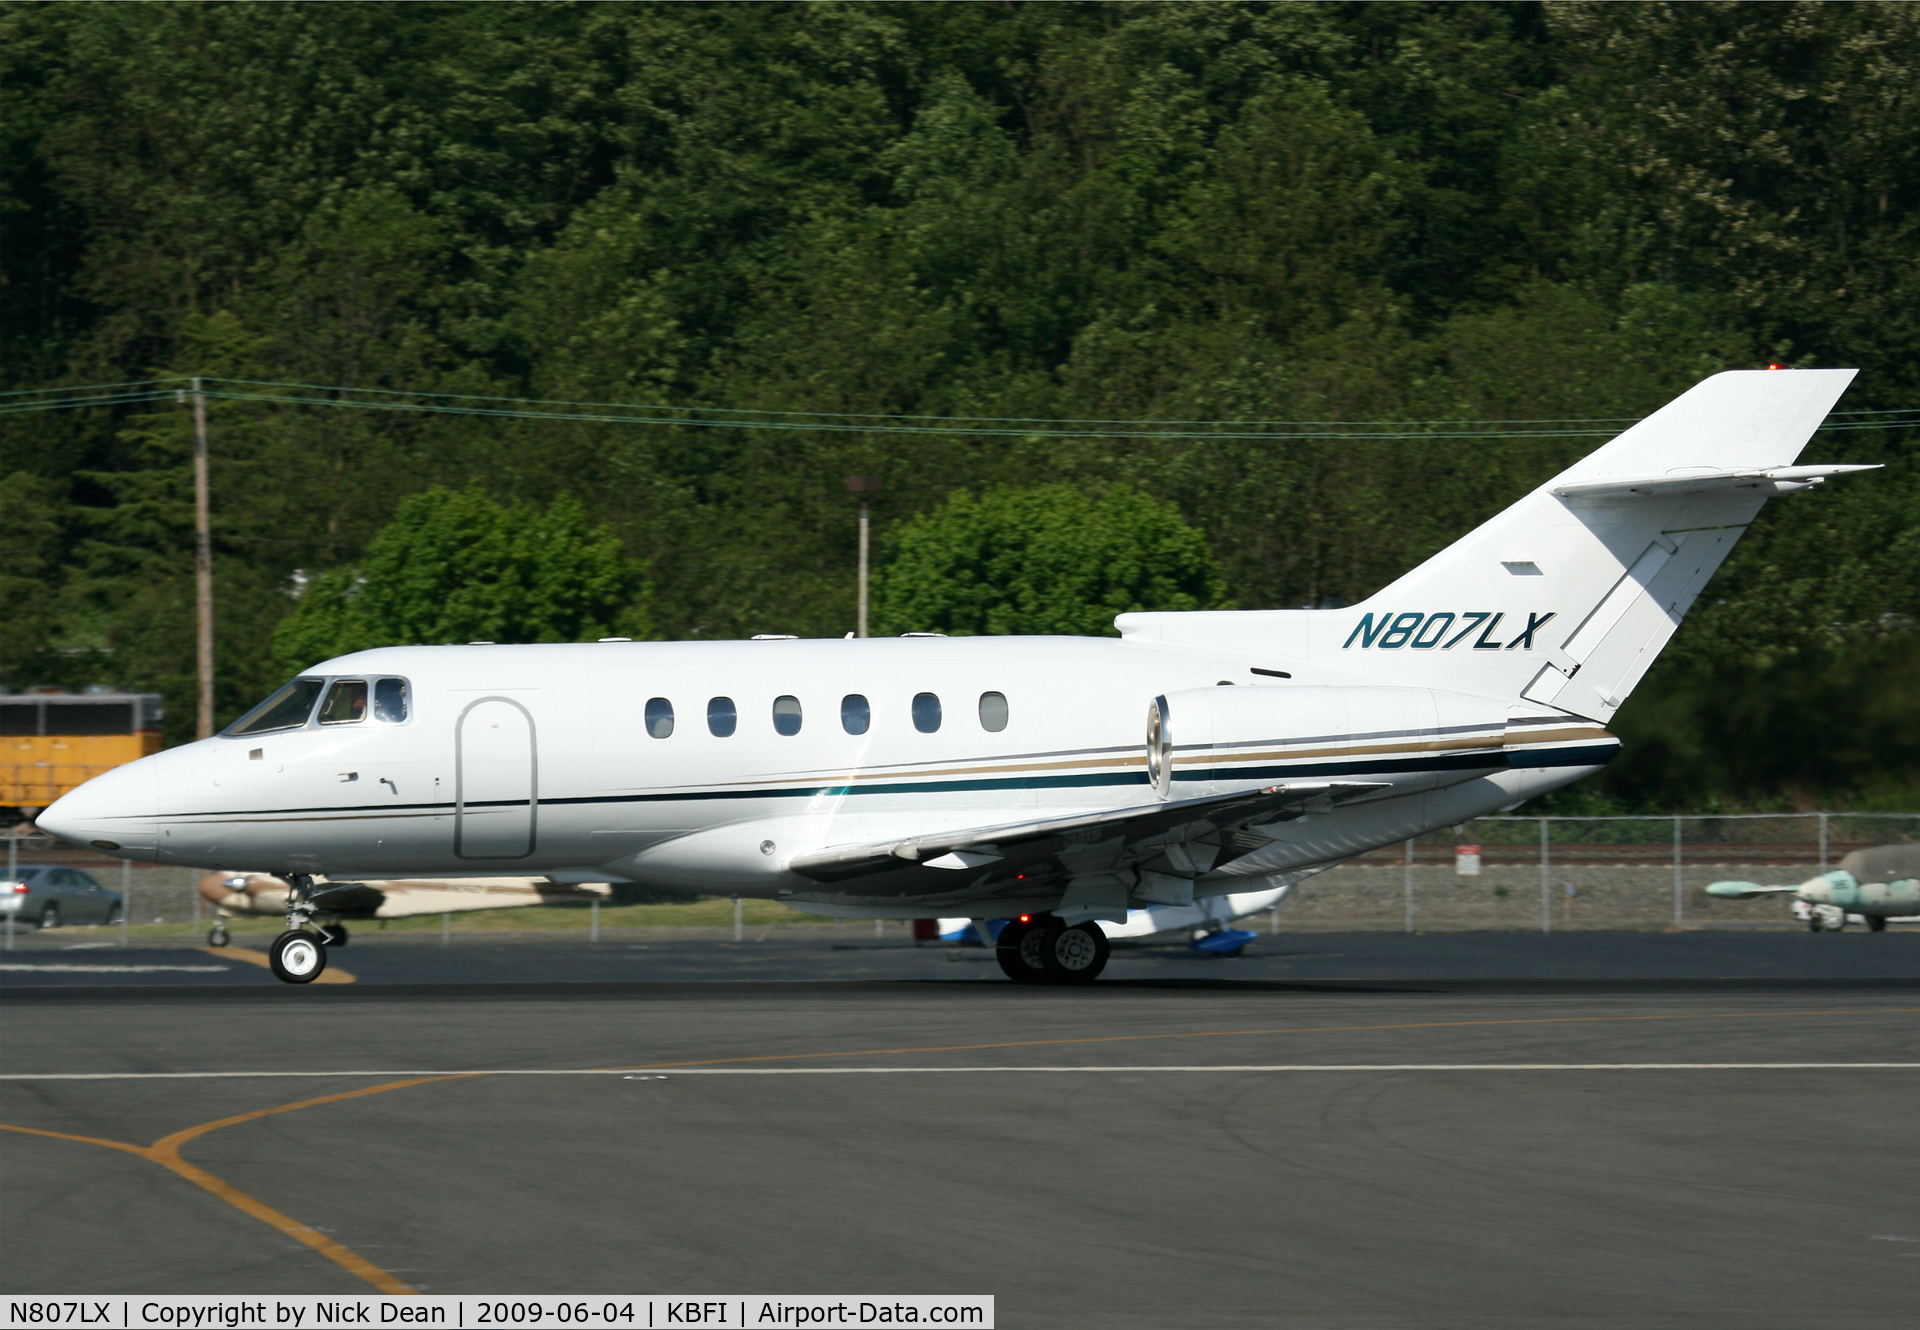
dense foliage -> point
(1041, 560)
(1291, 212)
(458, 567)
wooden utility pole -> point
(202, 562)
(863, 486)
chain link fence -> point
(1550, 874)
(1500, 874)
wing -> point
(916, 865)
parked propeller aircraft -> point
(1066, 779)
(260, 895)
(1876, 885)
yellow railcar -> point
(51, 742)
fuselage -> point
(712, 765)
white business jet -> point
(1067, 779)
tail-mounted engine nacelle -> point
(1207, 735)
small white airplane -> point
(1208, 921)
(259, 895)
(1873, 886)
(1066, 779)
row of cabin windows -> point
(856, 714)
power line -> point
(518, 408)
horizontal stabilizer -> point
(1759, 480)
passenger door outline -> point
(460, 787)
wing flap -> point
(1018, 843)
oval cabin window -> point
(659, 717)
(855, 714)
(926, 712)
(786, 714)
(721, 717)
(993, 712)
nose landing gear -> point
(298, 956)
(1043, 950)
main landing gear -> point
(1040, 949)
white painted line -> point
(662, 1070)
(117, 969)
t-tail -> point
(1565, 599)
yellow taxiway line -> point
(252, 957)
(166, 1153)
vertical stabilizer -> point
(1566, 597)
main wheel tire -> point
(1018, 951)
(1876, 923)
(217, 936)
(297, 957)
(49, 915)
(1074, 953)
(335, 935)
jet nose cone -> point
(117, 811)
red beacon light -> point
(1776, 365)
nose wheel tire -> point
(297, 957)
(217, 936)
(1074, 953)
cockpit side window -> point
(287, 709)
(346, 703)
(390, 701)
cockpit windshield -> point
(287, 709)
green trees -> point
(1238, 211)
(454, 566)
(1041, 560)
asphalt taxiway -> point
(78, 959)
(1380, 1138)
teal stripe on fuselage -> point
(1587, 755)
